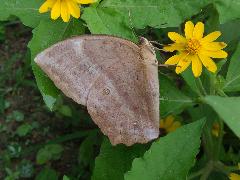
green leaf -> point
(24, 129)
(171, 98)
(114, 161)
(49, 152)
(26, 11)
(66, 178)
(86, 153)
(228, 109)
(47, 174)
(233, 74)
(163, 13)
(45, 35)
(228, 9)
(170, 157)
(160, 13)
(107, 21)
(18, 116)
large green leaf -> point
(171, 98)
(228, 9)
(107, 21)
(228, 110)
(45, 35)
(114, 161)
(233, 74)
(26, 11)
(170, 157)
(162, 13)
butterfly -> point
(116, 79)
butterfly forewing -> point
(112, 78)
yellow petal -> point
(214, 46)
(183, 63)
(189, 26)
(56, 10)
(234, 176)
(174, 126)
(161, 125)
(176, 37)
(86, 1)
(208, 63)
(74, 9)
(46, 6)
(174, 47)
(214, 54)
(196, 66)
(64, 11)
(211, 37)
(168, 121)
(198, 30)
(173, 60)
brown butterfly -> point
(115, 78)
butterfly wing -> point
(109, 76)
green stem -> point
(222, 93)
(207, 170)
(220, 139)
(200, 86)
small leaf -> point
(24, 129)
(114, 161)
(66, 178)
(169, 157)
(18, 116)
(228, 109)
(47, 174)
(49, 152)
(65, 110)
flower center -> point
(193, 46)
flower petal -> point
(176, 37)
(174, 126)
(198, 30)
(173, 60)
(234, 176)
(214, 54)
(189, 26)
(46, 6)
(214, 46)
(196, 66)
(168, 121)
(56, 10)
(211, 37)
(162, 124)
(183, 63)
(208, 63)
(174, 47)
(74, 9)
(65, 11)
(86, 1)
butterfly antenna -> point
(131, 24)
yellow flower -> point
(215, 129)
(195, 49)
(168, 124)
(63, 8)
(234, 176)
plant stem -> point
(207, 170)
(200, 86)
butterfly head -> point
(144, 43)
